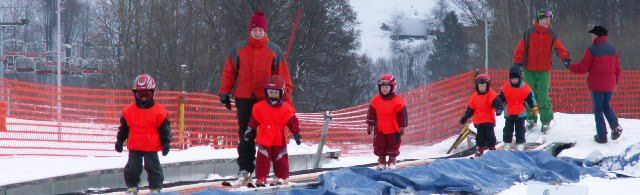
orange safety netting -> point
(85, 121)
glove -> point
(463, 120)
(534, 110)
(165, 149)
(296, 136)
(567, 62)
(499, 112)
(369, 129)
(226, 100)
(119, 146)
(247, 134)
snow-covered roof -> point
(413, 27)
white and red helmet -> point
(144, 82)
(387, 79)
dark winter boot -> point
(382, 163)
(615, 132)
(392, 162)
(545, 127)
(479, 151)
(600, 139)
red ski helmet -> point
(144, 82)
(387, 79)
(144, 87)
(275, 82)
(482, 79)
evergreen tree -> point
(450, 53)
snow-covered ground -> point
(577, 128)
(372, 13)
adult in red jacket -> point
(602, 62)
(534, 53)
(248, 67)
(146, 125)
(388, 117)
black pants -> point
(133, 169)
(246, 149)
(486, 137)
(514, 122)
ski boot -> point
(280, 181)
(545, 127)
(531, 124)
(520, 147)
(507, 147)
(392, 162)
(154, 191)
(244, 178)
(615, 132)
(132, 191)
(601, 139)
(261, 182)
(382, 161)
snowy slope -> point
(372, 13)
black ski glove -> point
(567, 62)
(119, 146)
(499, 112)
(165, 149)
(463, 120)
(297, 137)
(226, 100)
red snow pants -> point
(386, 144)
(276, 154)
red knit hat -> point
(258, 20)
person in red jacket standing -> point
(248, 67)
(269, 119)
(483, 104)
(146, 125)
(534, 52)
(387, 117)
(602, 62)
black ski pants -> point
(246, 149)
(133, 169)
(517, 123)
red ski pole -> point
(293, 33)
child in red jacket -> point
(146, 125)
(269, 118)
(388, 118)
(516, 94)
(483, 104)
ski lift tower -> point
(488, 23)
(6, 23)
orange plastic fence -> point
(84, 121)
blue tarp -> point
(492, 173)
